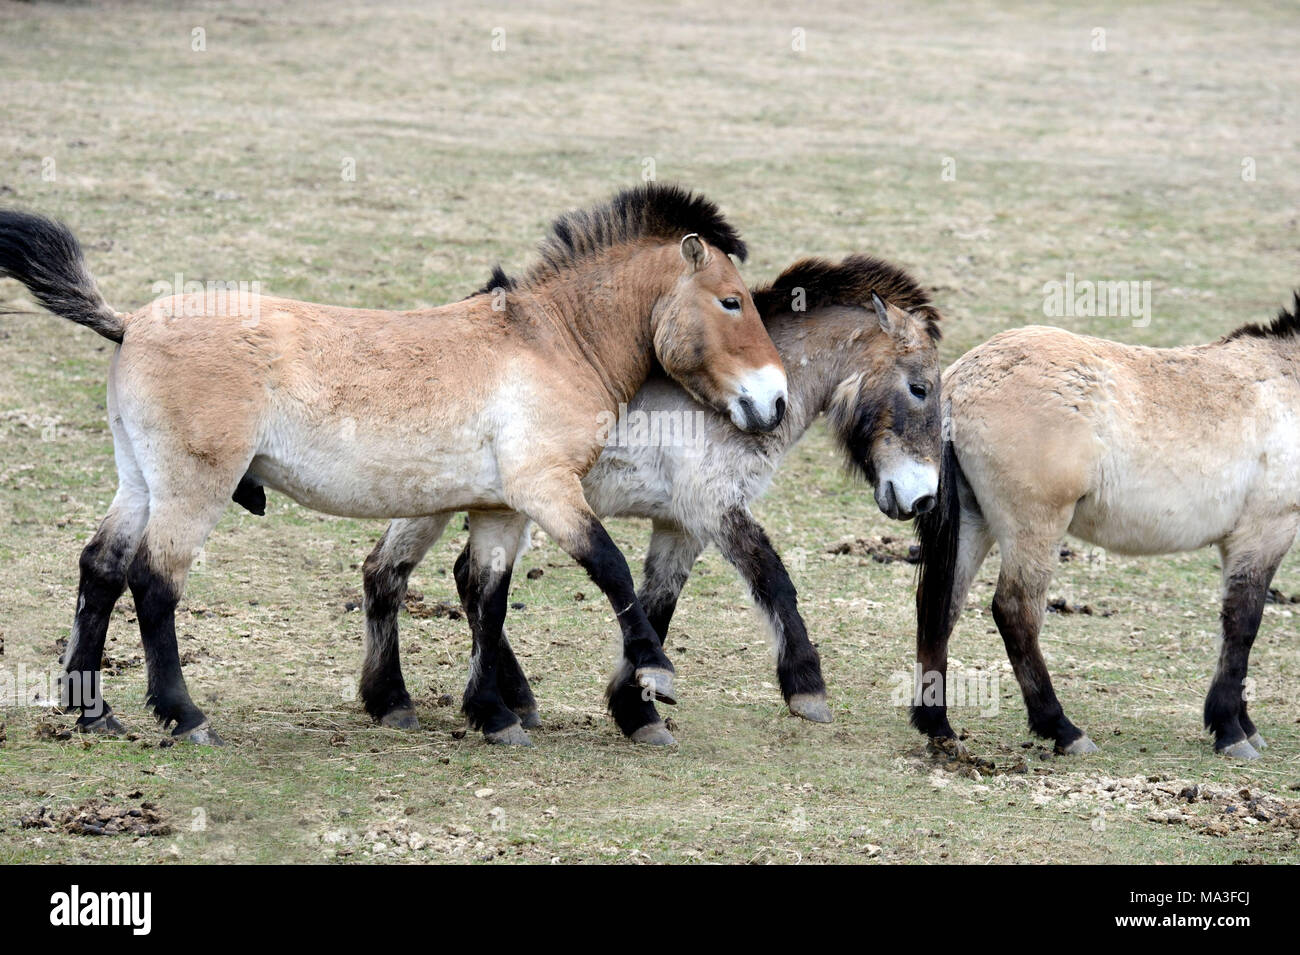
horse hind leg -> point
(385, 574)
(1018, 608)
(1248, 569)
(103, 567)
(179, 524)
(511, 682)
(929, 702)
(496, 538)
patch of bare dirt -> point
(1233, 810)
(882, 549)
(1214, 810)
(418, 607)
(399, 838)
(48, 728)
(114, 666)
(955, 757)
(99, 817)
(1061, 605)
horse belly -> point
(380, 475)
(1161, 517)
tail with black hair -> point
(44, 256)
(938, 532)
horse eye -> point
(731, 303)
(920, 391)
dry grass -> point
(225, 164)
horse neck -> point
(1283, 349)
(605, 305)
(820, 348)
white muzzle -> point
(760, 400)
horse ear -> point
(882, 313)
(695, 252)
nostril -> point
(780, 411)
(925, 504)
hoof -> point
(658, 681)
(653, 734)
(529, 719)
(811, 706)
(105, 724)
(1240, 750)
(1257, 741)
(1080, 747)
(203, 734)
(402, 718)
(512, 735)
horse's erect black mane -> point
(649, 211)
(1286, 324)
(849, 283)
(498, 280)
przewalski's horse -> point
(1138, 450)
(478, 404)
(872, 369)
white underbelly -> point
(1138, 510)
(408, 474)
(1128, 528)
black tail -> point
(938, 532)
(45, 256)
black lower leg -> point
(659, 611)
(514, 686)
(511, 682)
(1225, 704)
(746, 545)
(631, 705)
(1018, 618)
(601, 558)
(929, 701)
(155, 606)
(103, 579)
(1247, 724)
(661, 584)
(383, 689)
(485, 593)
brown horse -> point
(489, 403)
(1138, 450)
(871, 368)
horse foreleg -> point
(385, 574)
(1248, 568)
(746, 546)
(668, 563)
(559, 508)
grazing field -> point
(387, 155)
